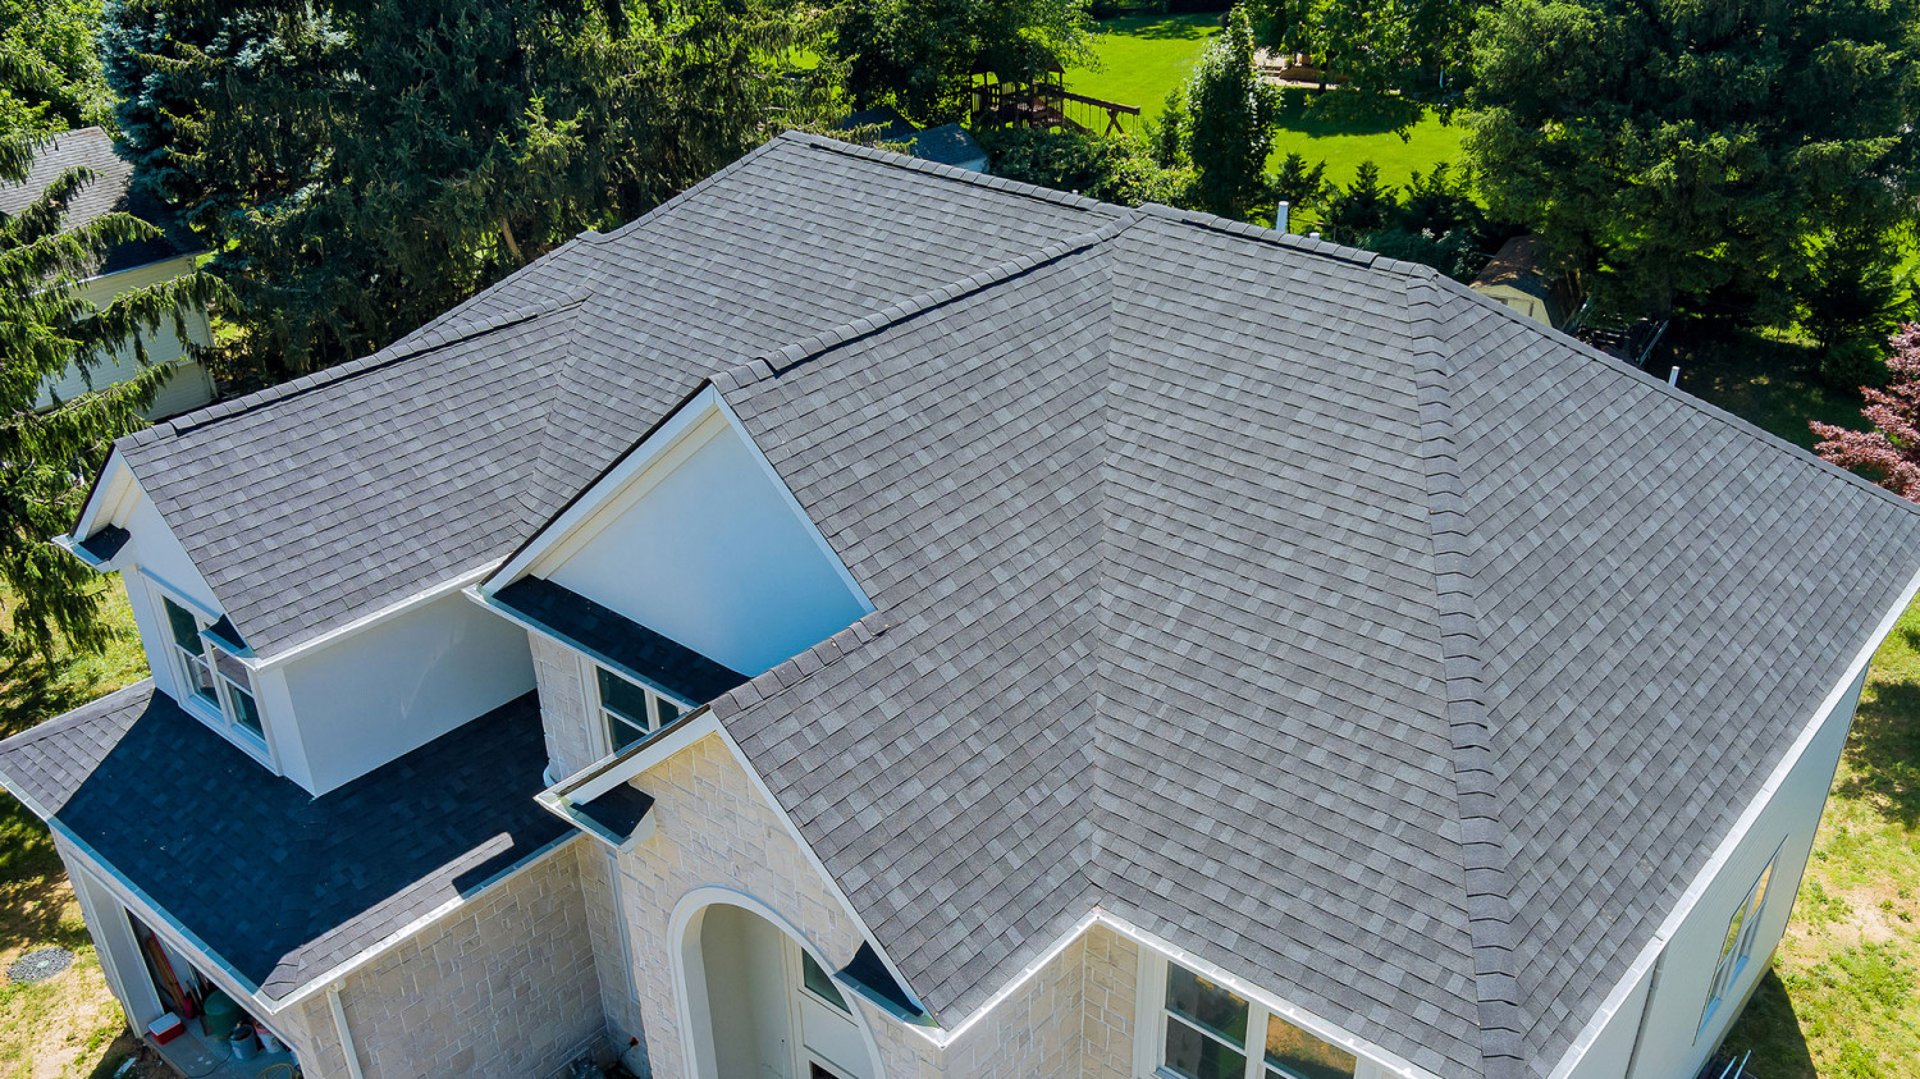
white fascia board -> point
(108, 497)
(393, 610)
(563, 528)
(1690, 898)
(609, 772)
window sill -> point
(245, 740)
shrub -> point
(1111, 168)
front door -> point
(830, 1044)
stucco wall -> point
(399, 684)
(505, 987)
(714, 556)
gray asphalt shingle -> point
(1295, 604)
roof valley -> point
(1483, 833)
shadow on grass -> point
(1770, 1028)
(1772, 384)
(122, 1047)
(1162, 27)
(1883, 751)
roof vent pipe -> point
(1280, 216)
(1313, 236)
(1673, 377)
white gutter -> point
(346, 1033)
(1689, 899)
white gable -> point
(697, 538)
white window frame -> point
(222, 714)
(1736, 949)
(604, 717)
(1151, 1017)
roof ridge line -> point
(1483, 831)
(799, 667)
(773, 364)
(595, 237)
(949, 172)
(1311, 245)
(1641, 376)
(374, 361)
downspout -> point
(1646, 1008)
(345, 1034)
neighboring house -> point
(129, 266)
(1514, 277)
(868, 619)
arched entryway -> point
(758, 1003)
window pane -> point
(820, 982)
(1299, 1054)
(1760, 890)
(1733, 932)
(245, 712)
(669, 711)
(199, 675)
(622, 733)
(186, 629)
(1206, 1004)
(623, 697)
(1196, 1056)
(231, 667)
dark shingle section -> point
(111, 190)
(620, 810)
(106, 543)
(283, 886)
(309, 505)
(625, 644)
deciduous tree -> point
(920, 55)
(1890, 453)
(1230, 123)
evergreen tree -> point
(46, 454)
(1230, 127)
(1679, 151)
(360, 166)
(1300, 184)
(1364, 208)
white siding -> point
(396, 685)
(714, 556)
(188, 388)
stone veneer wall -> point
(1072, 1020)
(503, 987)
(571, 740)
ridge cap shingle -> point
(1483, 843)
(947, 172)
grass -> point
(1143, 57)
(1840, 1000)
(1768, 381)
(69, 1025)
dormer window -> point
(216, 684)
(630, 710)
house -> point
(1515, 277)
(865, 618)
(128, 266)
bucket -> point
(220, 1014)
(269, 1043)
(242, 1042)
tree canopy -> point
(1890, 453)
(360, 166)
(1686, 152)
(920, 55)
(1230, 118)
(50, 78)
(45, 453)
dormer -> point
(684, 570)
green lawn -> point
(1142, 57)
(1764, 380)
(68, 1026)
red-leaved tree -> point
(1890, 453)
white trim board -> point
(1649, 955)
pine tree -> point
(46, 453)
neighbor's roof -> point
(1294, 603)
(282, 886)
(112, 190)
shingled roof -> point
(1293, 603)
(111, 190)
(282, 886)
